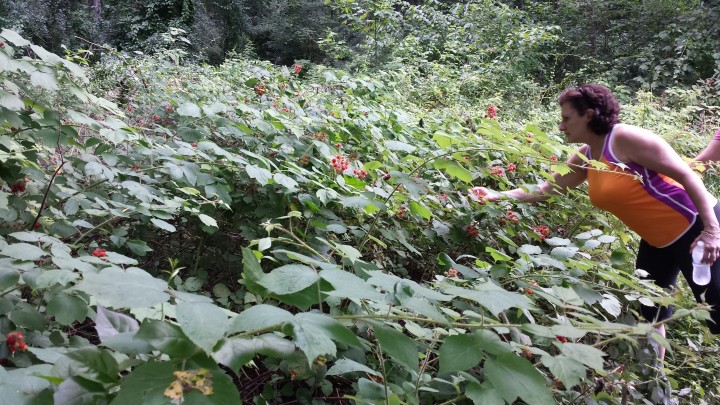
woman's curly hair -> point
(599, 99)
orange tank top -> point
(651, 204)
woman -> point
(645, 184)
(711, 153)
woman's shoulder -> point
(633, 133)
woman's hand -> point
(483, 194)
(711, 239)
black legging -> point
(664, 264)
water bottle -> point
(701, 271)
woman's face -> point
(572, 124)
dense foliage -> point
(182, 232)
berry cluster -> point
(471, 231)
(491, 112)
(497, 171)
(386, 176)
(260, 89)
(443, 198)
(511, 167)
(18, 187)
(542, 231)
(510, 217)
(360, 174)
(451, 273)
(340, 163)
(304, 159)
(401, 212)
(297, 69)
(98, 252)
(321, 136)
(553, 158)
(2, 44)
(16, 342)
(562, 339)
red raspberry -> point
(99, 252)
(360, 174)
(297, 69)
(491, 112)
(542, 231)
(511, 167)
(553, 158)
(471, 231)
(497, 171)
(562, 339)
(260, 89)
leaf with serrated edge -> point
(569, 371)
(289, 279)
(459, 353)
(399, 346)
(585, 354)
(118, 288)
(203, 323)
(343, 366)
(513, 377)
(259, 317)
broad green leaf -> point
(259, 317)
(67, 309)
(167, 338)
(253, 273)
(530, 249)
(262, 176)
(569, 371)
(109, 323)
(312, 340)
(237, 352)
(401, 146)
(344, 366)
(90, 362)
(333, 328)
(208, 220)
(23, 251)
(584, 354)
(22, 385)
(513, 377)
(492, 297)
(28, 318)
(44, 80)
(419, 209)
(118, 288)
(459, 353)
(203, 323)
(285, 181)
(11, 101)
(289, 279)
(484, 394)
(163, 225)
(79, 391)
(14, 37)
(8, 278)
(400, 347)
(497, 255)
(348, 285)
(190, 110)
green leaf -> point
(67, 309)
(513, 377)
(23, 251)
(118, 288)
(167, 338)
(312, 340)
(400, 347)
(348, 285)
(454, 169)
(497, 255)
(8, 278)
(419, 209)
(344, 366)
(80, 391)
(483, 394)
(459, 353)
(262, 176)
(203, 323)
(492, 297)
(90, 362)
(208, 220)
(584, 354)
(21, 385)
(285, 181)
(28, 319)
(259, 317)
(289, 279)
(253, 273)
(44, 80)
(330, 326)
(163, 225)
(237, 352)
(569, 371)
(14, 37)
(401, 146)
(190, 110)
